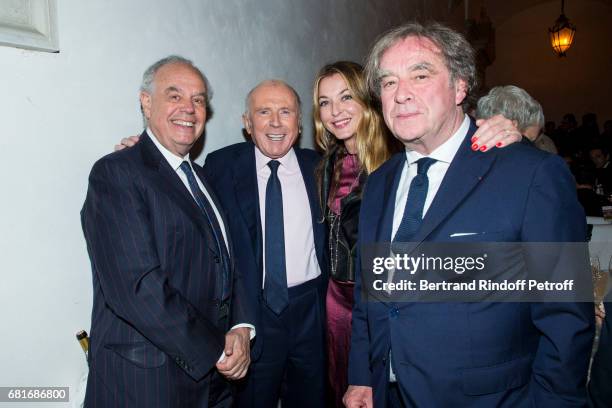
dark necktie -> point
(413, 212)
(275, 287)
(208, 211)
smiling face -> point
(420, 104)
(273, 119)
(176, 107)
(340, 113)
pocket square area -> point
(462, 234)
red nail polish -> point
(483, 148)
(475, 146)
(473, 139)
(499, 144)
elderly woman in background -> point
(525, 112)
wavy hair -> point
(371, 138)
(514, 103)
(456, 51)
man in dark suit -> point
(461, 354)
(268, 190)
(165, 291)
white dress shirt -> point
(300, 254)
(175, 162)
(444, 155)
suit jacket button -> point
(394, 312)
(217, 259)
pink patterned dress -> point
(339, 299)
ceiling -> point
(500, 10)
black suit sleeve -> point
(121, 244)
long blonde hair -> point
(372, 140)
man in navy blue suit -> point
(170, 318)
(440, 190)
(268, 190)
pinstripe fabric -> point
(155, 331)
(208, 211)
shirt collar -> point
(288, 161)
(172, 159)
(447, 150)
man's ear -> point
(145, 104)
(247, 123)
(460, 91)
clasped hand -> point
(237, 354)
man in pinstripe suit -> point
(165, 292)
(288, 353)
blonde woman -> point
(350, 132)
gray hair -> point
(514, 103)
(148, 81)
(148, 78)
(457, 52)
(247, 100)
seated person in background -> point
(600, 156)
(591, 201)
(517, 105)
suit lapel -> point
(167, 181)
(465, 172)
(391, 183)
(247, 193)
(218, 205)
(377, 229)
